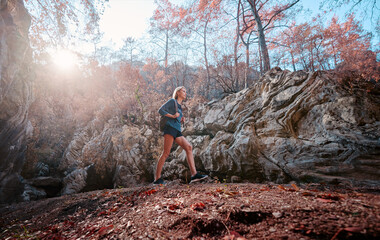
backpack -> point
(164, 119)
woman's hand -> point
(172, 116)
(182, 119)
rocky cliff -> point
(15, 96)
(294, 125)
(289, 126)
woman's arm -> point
(171, 115)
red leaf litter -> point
(200, 211)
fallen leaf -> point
(231, 193)
(281, 187)
(114, 209)
(102, 213)
(353, 229)
(295, 187)
(329, 196)
(307, 194)
(198, 206)
(300, 228)
(325, 200)
(150, 192)
(104, 230)
(104, 194)
(173, 207)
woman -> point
(172, 132)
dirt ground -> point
(200, 211)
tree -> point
(164, 21)
(103, 55)
(199, 18)
(367, 7)
(241, 31)
(52, 22)
(265, 13)
(349, 45)
(127, 50)
(128, 95)
(155, 77)
(226, 72)
(340, 46)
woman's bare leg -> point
(189, 153)
(168, 142)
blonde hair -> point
(175, 94)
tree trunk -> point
(166, 51)
(246, 65)
(236, 75)
(206, 60)
(262, 42)
(311, 57)
(131, 56)
(236, 49)
(260, 60)
(293, 63)
(334, 54)
(246, 68)
(246, 44)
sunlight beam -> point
(65, 59)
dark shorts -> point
(172, 131)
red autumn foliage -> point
(344, 47)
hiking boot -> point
(159, 181)
(197, 177)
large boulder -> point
(15, 97)
(294, 126)
(116, 156)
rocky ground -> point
(200, 211)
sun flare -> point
(64, 59)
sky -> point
(130, 18)
(126, 18)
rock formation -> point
(294, 126)
(15, 96)
(288, 126)
(109, 156)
